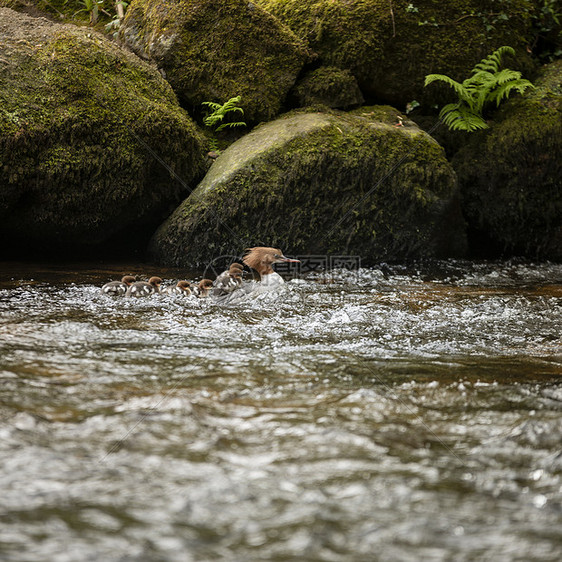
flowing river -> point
(396, 413)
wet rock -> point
(390, 46)
(510, 175)
(87, 131)
(320, 183)
(213, 50)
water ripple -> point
(412, 412)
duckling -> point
(118, 288)
(143, 289)
(182, 288)
(203, 288)
(228, 280)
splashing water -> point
(409, 415)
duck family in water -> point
(228, 287)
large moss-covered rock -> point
(511, 174)
(320, 183)
(212, 50)
(87, 132)
(390, 46)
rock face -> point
(390, 46)
(213, 50)
(511, 175)
(322, 182)
(87, 131)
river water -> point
(403, 413)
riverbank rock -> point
(213, 50)
(318, 183)
(390, 46)
(92, 139)
(511, 175)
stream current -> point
(411, 413)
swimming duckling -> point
(182, 288)
(143, 289)
(228, 280)
(118, 288)
(203, 288)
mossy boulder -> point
(92, 139)
(213, 50)
(318, 183)
(390, 46)
(328, 86)
(511, 174)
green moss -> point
(79, 118)
(390, 49)
(214, 50)
(320, 183)
(328, 86)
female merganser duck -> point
(182, 288)
(203, 288)
(228, 280)
(118, 288)
(261, 259)
(143, 289)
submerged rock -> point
(213, 50)
(317, 183)
(510, 175)
(87, 131)
(390, 46)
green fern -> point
(214, 120)
(487, 84)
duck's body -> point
(202, 289)
(143, 289)
(183, 288)
(260, 258)
(118, 288)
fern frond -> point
(233, 124)
(460, 117)
(492, 62)
(230, 105)
(212, 105)
(212, 119)
(507, 75)
(459, 88)
(485, 66)
(503, 91)
(480, 78)
(479, 87)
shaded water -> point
(357, 416)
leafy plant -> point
(96, 10)
(488, 84)
(215, 119)
(92, 7)
(115, 23)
